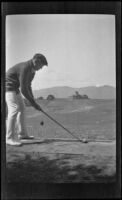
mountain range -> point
(93, 92)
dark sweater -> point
(19, 78)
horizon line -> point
(75, 87)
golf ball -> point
(41, 123)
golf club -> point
(81, 140)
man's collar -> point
(33, 70)
(32, 65)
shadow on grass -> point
(58, 170)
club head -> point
(84, 140)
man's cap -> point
(41, 57)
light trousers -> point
(16, 120)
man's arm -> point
(25, 85)
(30, 78)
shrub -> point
(50, 97)
(40, 98)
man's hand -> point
(37, 107)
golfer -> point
(18, 83)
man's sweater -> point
(19, 78)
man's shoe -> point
(13, 142)
(26, 137)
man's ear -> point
(34, 62)
(37, 61)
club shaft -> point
(61, 125)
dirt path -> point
(62, 161)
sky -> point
(80, 49)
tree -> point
(78, 96)
(77, 93)
(50, 97)
(85, 96)
(40, 98)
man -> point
(18, 83)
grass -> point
(87, 118)
(58, 170)
(93, 119)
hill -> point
(102, 92)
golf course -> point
(55, 156)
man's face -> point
(38, 64)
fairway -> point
(92, 119)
